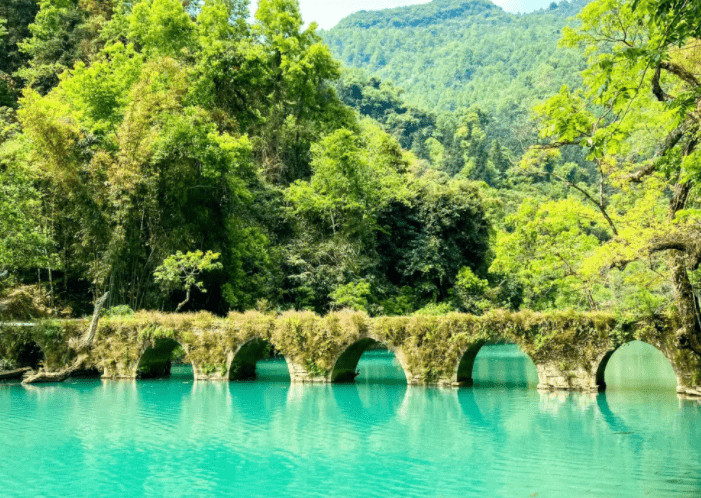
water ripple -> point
(178, 438)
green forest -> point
(453, 54)
(183, 156)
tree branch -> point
(657, 90)
(680, 72)
(591, 199)
(689, 244)
(670, 142)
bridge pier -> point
(345, 373)
(153, 356)
(299, 374)
(558, 377)
(461, 374)
(688, 378)
(119, 371)
(346, 362)
(216, 372)
(587, 372)
(412, 378)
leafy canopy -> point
(182, 271)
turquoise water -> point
(502, 438)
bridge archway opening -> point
(164, 358)
(636, 365)
(368, 361)
(30, 355)
(259, 360)
(497, 364)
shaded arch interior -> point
(156, 362)
(467, 364)
(243, 366)
(601, 370)
(346, 367)
(30, 355)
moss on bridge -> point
(51, 338)
(569, 348)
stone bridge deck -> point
(570, 350)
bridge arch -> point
(604, 361)
(246, 357)
(463, 370)
(157, 358)
(345, 367)
(463, 374)
(29, 354)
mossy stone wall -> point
(569, 349)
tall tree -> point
(301, 102)
(638, 121)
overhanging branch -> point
(681, 72)
(590, 198)
(669, 143)
(689, 244)
(657, 90)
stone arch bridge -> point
(570, 350)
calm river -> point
(377, 438)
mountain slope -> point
(449, 54)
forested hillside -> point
(182, 157)
(575, 182)
(452, 54)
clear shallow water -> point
(178, 438)
(637, 365)
(504, 365)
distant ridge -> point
(426, 14)
(452, 54)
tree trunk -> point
(689, 334)
(187, 299)
(92, 329)
(43, 377)
(14, 374)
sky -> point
(328, 12)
